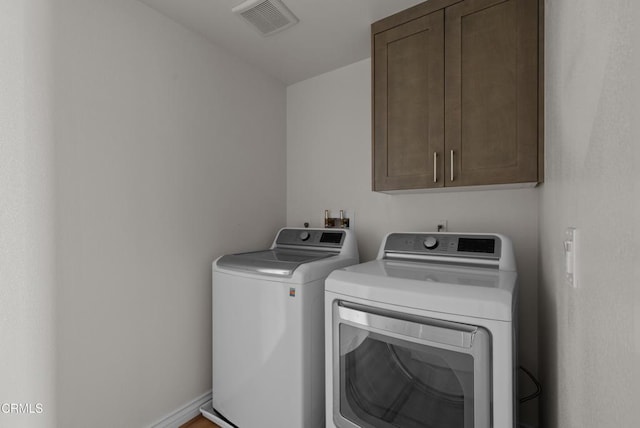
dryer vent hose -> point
(535, 381)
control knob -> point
(304, 236)
(430, 243)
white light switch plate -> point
(571, 256)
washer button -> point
(304, 236)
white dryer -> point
(425, 335)
(268, 330)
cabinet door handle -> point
(451, 165)
(435, 167)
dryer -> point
(268, 330)
(425, 335)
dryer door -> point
(402, 371)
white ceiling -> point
(330, 34)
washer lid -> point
(279, 262)
(469, 291)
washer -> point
(425, 335)
(268, 331)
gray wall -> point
(133, 153)
(590, 336)
(169, 153)
(27, 260)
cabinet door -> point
(408, 105)
(491, 94)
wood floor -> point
(199, 422)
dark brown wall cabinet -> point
(456, 89)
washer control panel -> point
(311, 238)
(445, 244)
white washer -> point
(424, 335)
(268, 331)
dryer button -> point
(430, 243)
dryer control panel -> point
(474, 246)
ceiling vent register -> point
(267, 16)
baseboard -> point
(183, 414)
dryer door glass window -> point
(410, 373)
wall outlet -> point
(441, 226)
